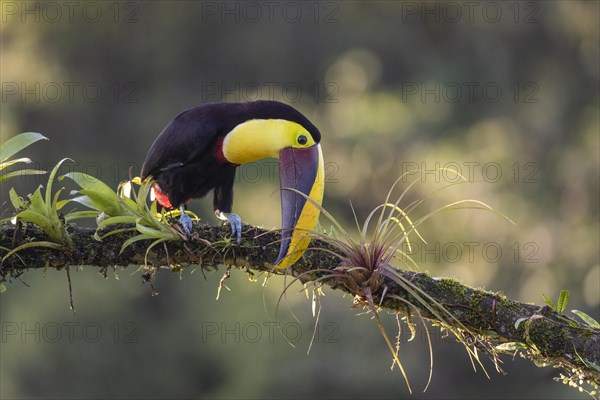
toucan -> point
(200, 149)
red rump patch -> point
(162, 198)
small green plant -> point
(561, 304)
(43, 211)
(114, 209)
(575, 375)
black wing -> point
(185, 138)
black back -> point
(191, 133)
(182, 158)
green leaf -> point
(569, 321)
(60, 204)
(21, 172)
(109, 204)
(549, 302)
(124, 219)
(2, 288)
(51, 179)
(16, 201)
(143, 193)
(101, 195)
(89, 182)
(128, 203)
(563, 299)
(134, 239)
(36, 203)
(15, 161)
(18, 143)
(51, 228)
(80, 214)
(57, 205)
(50, 245)
(150, 232)
(39, 213)
(84, 200)
(587, 319)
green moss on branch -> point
(547, 336)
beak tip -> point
(282, 252)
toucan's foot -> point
(236, 226)
(234, 221)
(186, 223)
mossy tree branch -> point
(546, 335)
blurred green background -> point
(506, 92)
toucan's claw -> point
(186, 223)
(236, 226)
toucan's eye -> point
(302, 140)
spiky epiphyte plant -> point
(367, 266)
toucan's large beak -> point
(302, 170)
